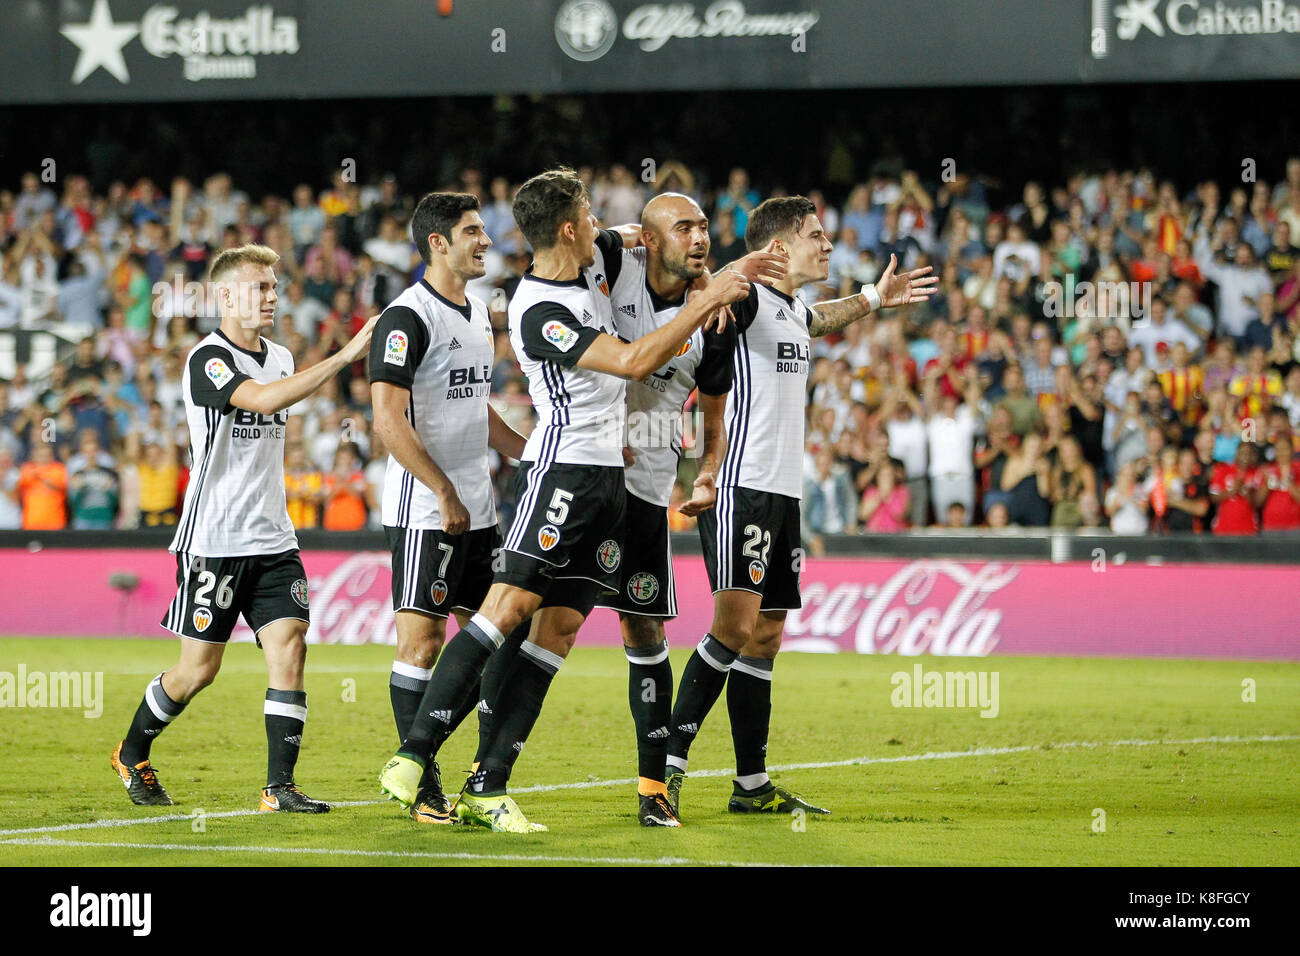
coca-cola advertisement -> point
(968, 608)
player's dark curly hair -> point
(438, 212)
(546, 202)
(776, 217)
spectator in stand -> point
(1026, 481)
(160, 485)
(43, 489)
(739, 198)
(1025, 414)
(1188, 495)
(1126, 505)
(1256, 384)
(345, 491)
(991, 457)
(728, 244)
(11, 506)
(304, 488)
(1290, 400)
(828, 496)
(1073, 487)
(94, 490)
(950, 433)
(1183, 385)
(1158, 334)
(1279, 491)
(885, 505)
(1233, 489)
(904, 421)
(1241, 282)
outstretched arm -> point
(893, 290)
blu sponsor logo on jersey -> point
(474, 381)
(395, 347)
(792, 357)
(255, 425)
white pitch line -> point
(392, 854)
(780, 768)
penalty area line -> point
(629, 781)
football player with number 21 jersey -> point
(565, 545)
(751, 537)
(236, 550)
(430, 373)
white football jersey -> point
(655, 403)
(765, 408)
(580, 413)
(442, 353)
(234, 502)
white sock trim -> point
(277, 708)
(753, 781)
(542, 655)
(411, 671)
(635, 656)
(488, 628)
(739, 665)
(709, 659)
(678, 762)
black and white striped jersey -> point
(765, 408)
(655, 403)
(442, 353)
(580, 413)
(234, 503)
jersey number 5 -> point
(559, 509)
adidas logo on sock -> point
(444, 716)
(483, 707)
(153, 733)
(659, 733)
(454, 344)
(689, 728)
(296, 740)
(519, 746)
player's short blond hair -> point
(230, 260)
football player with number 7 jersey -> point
(236, 550)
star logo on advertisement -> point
(211, 48)
(1137, 15)
(559, 335)
(586, 29)
(395, 348)
(219, 372)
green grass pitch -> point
(1166, 755)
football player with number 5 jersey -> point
(236, 550)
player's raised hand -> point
(915, 286)
(703, 495)
(765, 266)
(455, 516)
(360, 343)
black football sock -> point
(455, 678)
(519, 705)
(749, 705)
(497, 672)
(406, 686)
(286, 713)
(701, 684)
(650, 695)
(155, 712)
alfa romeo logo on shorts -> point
(585, 29)
(642, 587)
(439, 591)
(609, 554)
(756, 571)
(299, 592)
(202, 619)
(548, 536)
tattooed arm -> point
(914, 286)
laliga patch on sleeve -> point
(219, 372)
(395, 348)
(559, 335)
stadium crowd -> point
(1109, 351)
